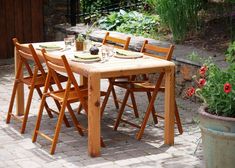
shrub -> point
(131, 22)
(180, 15)
(230, 53)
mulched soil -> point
(216, 36)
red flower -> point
(202, 70)
(227, 87)
(201, 82)
(190, 91)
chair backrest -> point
(27, 53)
(156, 51)
(59, 64)
(118, 42)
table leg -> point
(20, 90)
(169, 106)
(94, 115)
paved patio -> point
(122, 149)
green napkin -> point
(128, 53)
(50, 46)
(85, 56)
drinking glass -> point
(67, 42)
(110, 50)
(104, 53)
(72, 39)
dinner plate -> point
(127, 54)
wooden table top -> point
(113, 67)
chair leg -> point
(143, 125)
(114, 94)
(58, 106)
(121, 110)
(12, 102)
(39, 118)
(134, 104)
(66, 122)
(177, 118)
(146, 117)
(102, 144)
(104, 103)
(57, 130)
(74, 119)
(79, 108)
(46, 105)
(153, 110)
(26, 113)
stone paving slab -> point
(122, 149)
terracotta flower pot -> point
(79, 46)
(218, 139)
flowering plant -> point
(216, 88)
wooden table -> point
(116, 67)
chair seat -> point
(138, 86)
(40, 80)
(72, 97)
(73, 94)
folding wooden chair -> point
(121, 44)
(71, 94)
(34, 80)
(148, 87)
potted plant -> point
(80, 42)
(87, 42)
(216, 88)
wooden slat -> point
(116, 40)
(156, 48)
(37, 20)
(19, 20)
(27, 19)
(45, 136)
(10, 28)
(130, 123)
(22, 19)
(3, 45)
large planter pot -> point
(218, 140)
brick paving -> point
(122, 149)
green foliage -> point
(93, 6)
(230, 53)
(195, 57)
(80, 38)
(180, 15)
(130, 22)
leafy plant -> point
(130, 22)
(216, 88)
(80, 38)
(230, 53)
(180, 15)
